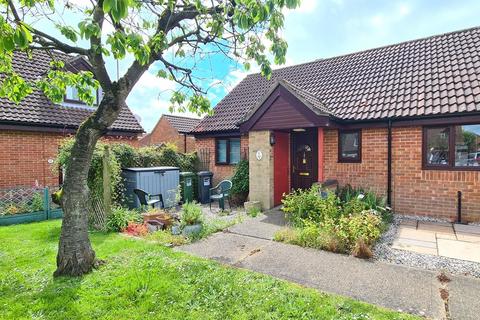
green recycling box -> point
(186, 182)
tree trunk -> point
(75, 254)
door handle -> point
(304, 173)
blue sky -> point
(318, 29)
(326, 28)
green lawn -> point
(144, 280)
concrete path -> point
(248, 245)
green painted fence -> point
(14, 200)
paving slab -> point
(264, 226)
(412, 242)
(459, 250)
(467, 228)
(422, 235)
(469, 237)
(409, 223)
(446, 236)
(436, 227)
(464, 301)
(225, 247)
(391, 286)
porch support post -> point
(260, 161)
(320, 155)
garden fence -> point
(28, 204)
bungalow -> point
(173, 129)
(31, 131)
(402, 120)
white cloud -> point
(150, 82)
(403, 9)
(307, 6)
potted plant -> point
(191, 219)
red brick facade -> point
(164, 132)
(414, 191)
(430, 192)
(206, 146)
(371, 173)
(27, 158)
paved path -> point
(248, 245)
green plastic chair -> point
(220, 193)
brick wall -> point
(415, 191)
(164, 132)
(220, 172)
(429, 192)
(371, 173)
(25, 157)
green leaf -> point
(162, 74)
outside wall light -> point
(272, 138)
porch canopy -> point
(284, 107)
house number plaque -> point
(259, 155)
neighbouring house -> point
(31, 131)
(402, 120)
(172, 129)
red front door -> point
(304, 156)
(280, 166)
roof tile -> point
(37, 109)
(387, 81)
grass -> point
(145, 280)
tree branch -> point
(95, 53)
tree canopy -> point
(169, 32)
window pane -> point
(234, 151)
(437, 146)
(221, 151)
(72, 93)
(467, 142)
(349, 146)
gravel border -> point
(383, 251)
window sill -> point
(447, 168)
(349, 161)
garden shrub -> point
(119, 218)
(309, 236)
(349, 221)
(366, 225)
(36, 204)
(240, 184)
(95, 174)
(302, 205)
(191, 214)
(353, 206)
(125, 156)
(240, 179)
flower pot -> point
(164, 218)
(192, 230)
(176, 230)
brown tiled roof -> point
(182, 124)
(438, 75)
(37, 109)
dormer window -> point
(71, 96)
